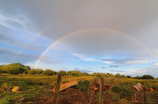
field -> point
(36, 89)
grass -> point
(36, 85)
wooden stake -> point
(101, 91)
(57, 88)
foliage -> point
(39, 71)
(147, 77)
(128, 76)
(138, 77)
(116, 89)
(126, 92)
(74, 73)
(32, 71)
(49, 72)
(83, 85)
(62, 72)
(118, 75)
(85, 74)
(14, 70)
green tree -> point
(62, 72)
(32, 71)
(128, 76)
(118, 75)
(48, 72)
(5, 69)
(39, 71)
(14, 70)
(147, 77)
(85, 74)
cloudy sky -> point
(109, 36)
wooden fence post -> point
(101, 90)
(57, 88)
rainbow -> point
(82, 30)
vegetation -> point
(39, 82)
(147, 77)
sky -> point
(107, 36)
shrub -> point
(83, 85)
(147, 77)
(128, 76)
(116, 89)
(48, 72)
(32, 71)
(14, 70)
(62, 72)
(126, 92)
(85, 74)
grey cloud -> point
(6, 37)
(55, 19)
(131, 60)
(103, 67)
(11, 56)
(111, 66)
(82, 70)
(114, 66)
(117, 70)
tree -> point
(147, 77)
(128, 76)
(74, 73)
(32, 71)
(14, 70)
(39, 71)
(118, 75)
(62, 72)
(85, 74)
(48, 72)
(5, 69)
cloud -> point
(69, 16)
(117, 70)
(104, 67)
(7, 37)
(81, 57)
(131, 60)
(9, 55)
(82, 70)
(114, 66)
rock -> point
(137, 87)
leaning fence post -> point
(57, 88)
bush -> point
(128, 76)
(62, 72)
(83, 85)
(48, 72)
(85, 74)
(127, 92)
(116, 89)
(147, 77)
(74, 73)
(14, 70)
(32, 71)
